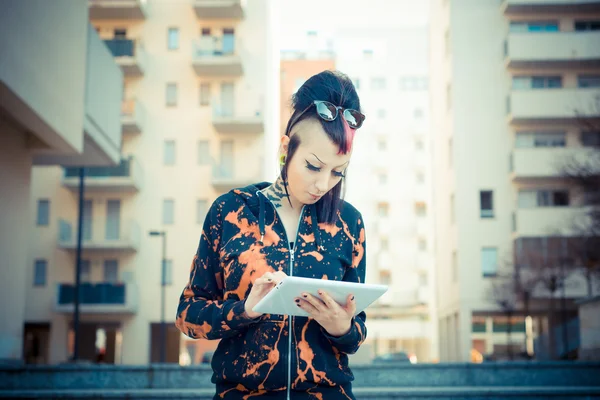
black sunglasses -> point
(329, 112)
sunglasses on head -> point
(329, 112)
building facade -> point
(196, 112)
(59, 94)
(511, 82)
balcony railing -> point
(217, 56)
(225, 120)
(123, 236)
(125, 177)
(133, 116)
(553, 105)
(105, 297)
(129, 54)
(553, 49)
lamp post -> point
(163, 336)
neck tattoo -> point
(276, 193)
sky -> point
(297, 17)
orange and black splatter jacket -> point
(272, 356)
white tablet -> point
(281, 299)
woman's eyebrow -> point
(326, 164)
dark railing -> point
(121, 170)
(121, 47)
(93, 293)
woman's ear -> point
(283, 144)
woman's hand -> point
(335, 318)
(260, 288)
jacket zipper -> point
(291, 318)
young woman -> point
(298, 225)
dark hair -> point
(336, 88)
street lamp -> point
(163, 336)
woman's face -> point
(316, 167)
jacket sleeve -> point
(351, 341)
(202, 312)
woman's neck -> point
(276, 193)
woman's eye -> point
(338, 174)
(312, 167)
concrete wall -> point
(15, 220)
(589, 325)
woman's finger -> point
(315, 302)
(329, 301)
(307, 306)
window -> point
(173, 39)
(587, 26)
(423, 281)
(111, 271)
(489, 261)
(383, 209)
(540, 139)
(543, 198)
(171, 95)
(85, 271)
(534, 26)
(588, 81)
(43, 212)
(201, 211)
(381, 144)
(419, 145)
(367, 54)
(454, 271)
(447, 42)
(378, 83)
(167, 272)
(591, 196)
(356, 82)
(40, 272)
(486, 203)
(420, 209)
(536, 82)
(420, 177)
(385, 277)
(448, 96)
(413, 83)
(450, 152)
(418, 113)
(381, 113)
(385, 244)
(422, 244)
(168, 211)
(205, 94)
(590, 139)
(203, 152)
(169, 154)
(382, 178)
(120, 33)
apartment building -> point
(390, 182)
(195, 116)
(511, 83)
(59, 105)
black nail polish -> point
(297, 300)
(298, 305)
(352, 298)
(304, 295)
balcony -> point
(219, 9)
(553, 50)
(98, 298)
(549, 221)
(242, 174)
(545, 162)
(125, 177)
(228, 122)
(118, 9)
(119, 237)
(129, 55)
(133, 116)
(553, 105)
(555, 7)
(211, 58)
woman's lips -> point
(313, 196)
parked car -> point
(398, 357)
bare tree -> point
(582, 170)
(502, 292)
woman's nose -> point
(322, 182)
